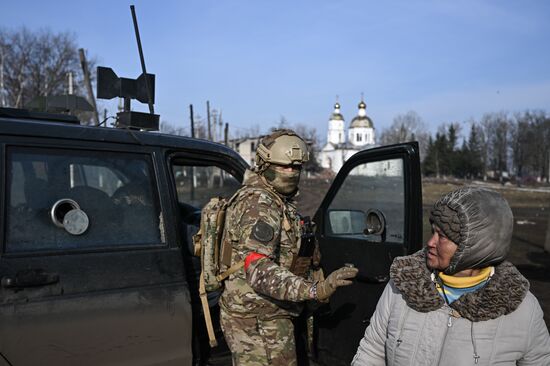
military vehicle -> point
(96, 254)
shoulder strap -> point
(234, 197)
(206, 312)
(234, 268)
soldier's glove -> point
(340, 277)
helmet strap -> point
(261, 165)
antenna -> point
(109, 86)
(142, 59)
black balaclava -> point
(479, 221)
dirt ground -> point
(531, 208)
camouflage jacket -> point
(266, 289)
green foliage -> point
(496, 144)
(444, 158)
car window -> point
(373, 186)
(74, 199)
(195, 185)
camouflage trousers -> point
(255, 342)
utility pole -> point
(86, 72)
(225, 134)
(192, 119)
(70, 74)
(208, 120)
(220, 123)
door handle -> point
(30, 278)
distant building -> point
(360, 136)
(340, 145)
(246, 147)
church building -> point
(341, 146)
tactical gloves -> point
(322, 290)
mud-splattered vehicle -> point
(96, 265)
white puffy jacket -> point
(436, 334)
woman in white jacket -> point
(457, 302)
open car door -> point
(371, 214)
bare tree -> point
(520, 136)
(254, 130)
(529, 136)
(407, 127)
(312, 139)
(38, 64)
(283, 123)
(201, 128)
(168, 128)
(497, 128)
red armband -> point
(251, 258)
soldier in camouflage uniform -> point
(260, 300)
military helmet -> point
(282, 147)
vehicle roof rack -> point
(16, 113)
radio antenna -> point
(143, 69)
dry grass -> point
(517, 197)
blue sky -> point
(259, 60)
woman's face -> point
(440, 250)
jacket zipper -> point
(449, 325)
(399, 340)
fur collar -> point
(502, 295)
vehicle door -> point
(90, 271)
(370, 215)
(196, 178)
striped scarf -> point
(452, 287)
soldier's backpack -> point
(213, 254)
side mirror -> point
(346, 222)
(376, 222)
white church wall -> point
(333, 160)
(360, 136)
(386, 168)
(336, 133)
